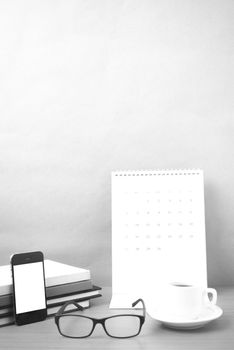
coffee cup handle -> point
(214, 295)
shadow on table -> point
(217, 326)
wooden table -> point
(44, 335)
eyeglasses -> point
(117, 326)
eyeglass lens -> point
(75, 326)
(123, 326)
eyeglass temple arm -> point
(142, 301)
(63, 307)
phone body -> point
(29, 293)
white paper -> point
(158, 231)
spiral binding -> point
(160, 172)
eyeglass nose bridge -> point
(97, 321)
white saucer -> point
(208, 314)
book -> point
(5, 310)
(8, 319)
(55, 274)
(60, 299)
(74, 296)
(9, 310)
(54, 291)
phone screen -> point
(29, 287)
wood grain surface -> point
(218, 334)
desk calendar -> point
(158, 231)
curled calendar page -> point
(158, 232)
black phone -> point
(29, 293)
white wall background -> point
(91, 86)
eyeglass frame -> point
(95, 321)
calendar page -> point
(158, 232)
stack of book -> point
(63, 283)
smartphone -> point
(29, 295)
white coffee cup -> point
(186, 301)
